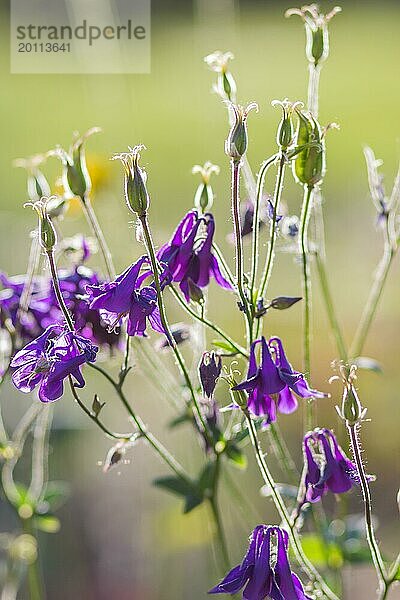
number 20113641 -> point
(43, 47)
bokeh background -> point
(121, 538)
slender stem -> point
(152, 440)
(373, 301)
(273, 230)
(330, 309)
(256, 221)
(57, 290)
(217, 515)
(35, 578)
(40, 454)
(225, 267)
(282, 453)
(308, 567)
(167, 329)
(98, 233)
(239, 349)
(235, 170)
(373, 544)
(96, 420)
(304, 251)
(314, 72)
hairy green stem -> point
(235, 198)
(256, 222)
(56, 285)
(301, 557)
(306, 280)
(372, 542)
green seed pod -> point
(351, 410)
(47, 233)
(76, 178)
(237, 141)
(309, 165)
(38, 186)
(195, 293)
(135, 190)
(204, 196)
(317, 48)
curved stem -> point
(167, 329)
(239, 349)
(282, 453)
(57, 290)
(217, 516)
(308, 567)
(273, 230)
(235, 198)
(98, 233)
(152, 440)
(256, 221)
(225, 267)
(304, 251)
(330, 309)
(373, 544)
(373, 301)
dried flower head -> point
(204, 196)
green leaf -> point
(176, 485)
(236, 456)
(224, 346)
(185, 418)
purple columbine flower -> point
(49, 359)
(260, 575)
(188, 255)
(73, 284)
(327, 468)
(124, 297)
(271, 384)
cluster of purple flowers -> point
(49, 359)
(265, 570)
(272, 384)
(327, 468)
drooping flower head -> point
(273, 383)
(265, 570)
(327, 468)
(49, 359)
(209, 370)
(125, 297)
(188, 255)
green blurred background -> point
(120, 538)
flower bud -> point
(47, 233)
(76, 178)
(309, 164)
(37, 183)
(237, 141)
(209, 371)
(285, 133)
(204, 196)
(284, 302)
(317, 37)
(226, 85)
(135, 190)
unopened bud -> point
(285, 133)
(135, 190)
(284, 302)
(47, 233)
(209, 371)
(237, 141)
(316, 23)
(76, 178)
(204, 196)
